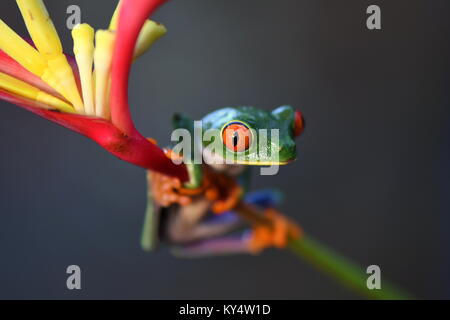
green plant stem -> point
(327, 260)
(343, 270)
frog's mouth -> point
(219, 159)
(263, 163)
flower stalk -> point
(325, 259)
(342, 270)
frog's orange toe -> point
(280, 231)
(260, 239)
(277, 235)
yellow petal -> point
(115, 18)
(150, 33)
(49, 78)
(104, 45)
(21, 51)
(25, 90)
(46, 40)
(83, 39)
(40, 27)
(64, 73)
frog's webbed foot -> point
(277, 234)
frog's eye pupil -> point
(236, 137)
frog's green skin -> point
(263, 150)
(270, 153)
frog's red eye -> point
(299, 123)
(237, 137)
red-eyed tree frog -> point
(199, 217)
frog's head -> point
(246, 134)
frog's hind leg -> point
(253, 241)
(181, 231)
(224, 234)
(226, 245)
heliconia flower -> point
(89, 93)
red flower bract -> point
(119, 135)
(133, 15)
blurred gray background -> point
(372, 179)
